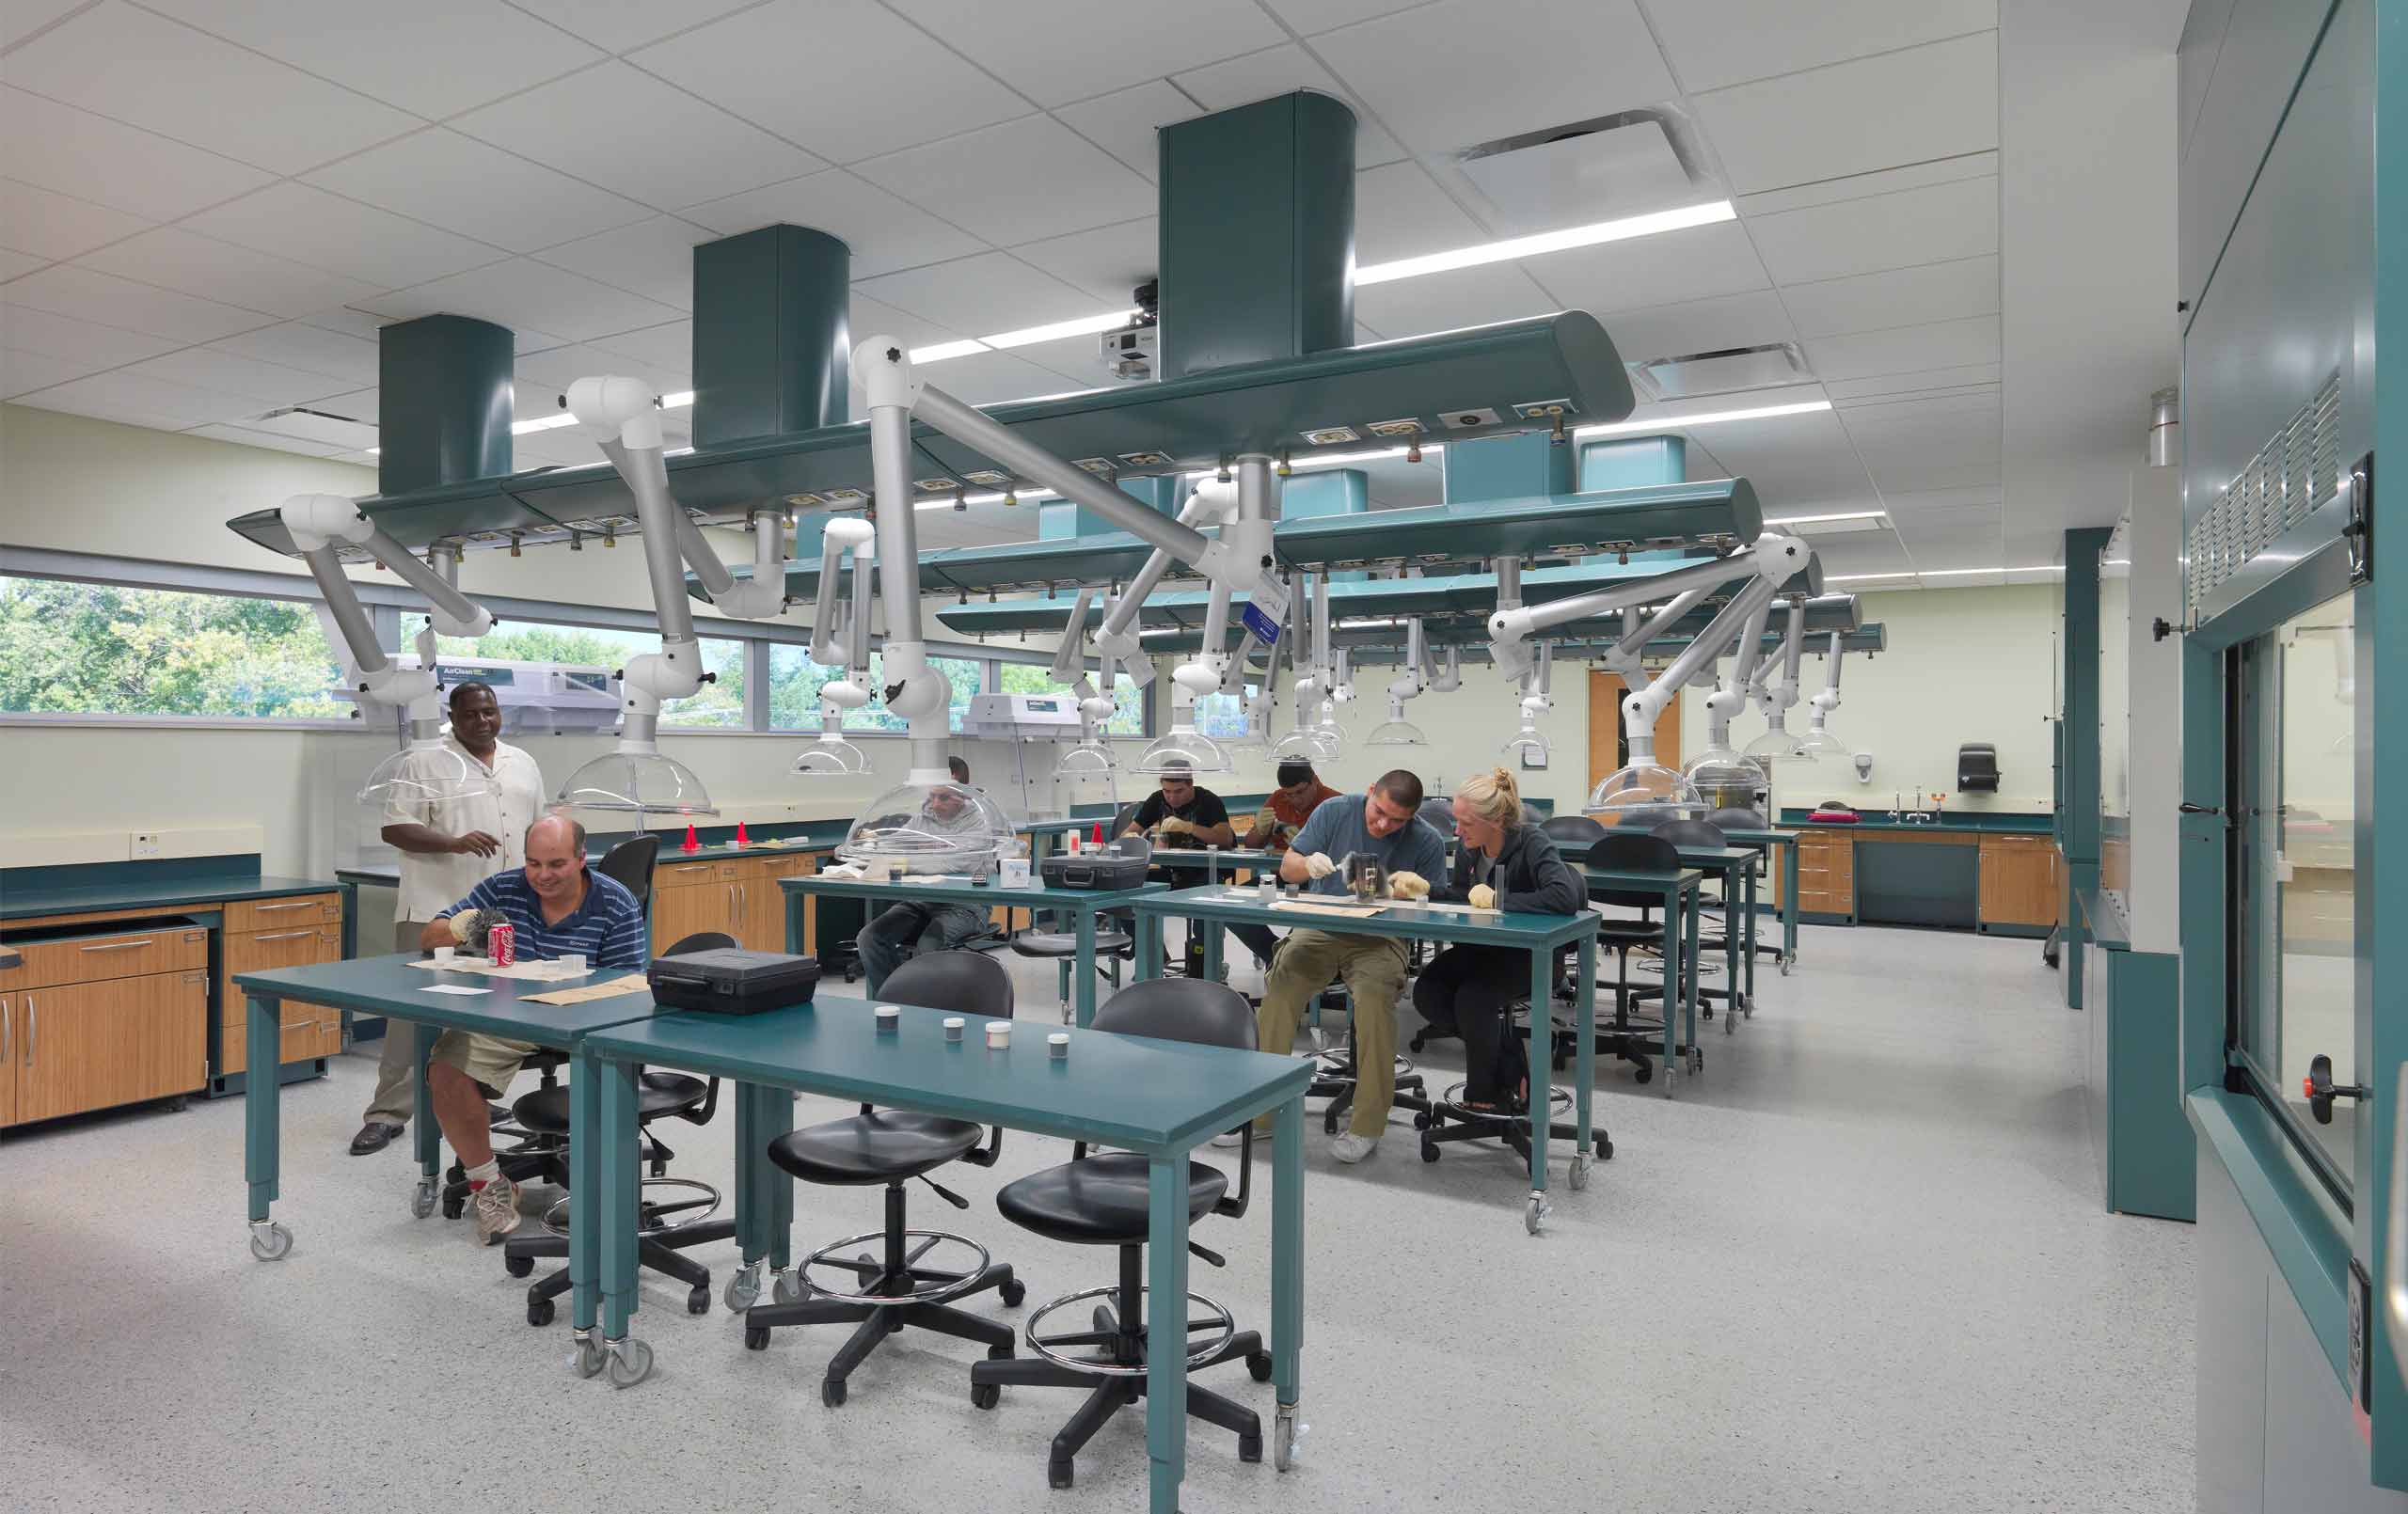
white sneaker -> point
(1351, 1148)
(496, 1210)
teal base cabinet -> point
(2147, 1152)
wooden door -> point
(679, 912)
(1607, 751)
(763, 901)
(91, 1046)
(2018, 880)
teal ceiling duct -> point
(1871, 636)
(1714, 512)
(1453, 386)
(1837, 612)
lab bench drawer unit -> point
(312, 1033)
(72, 1048)
(2021, 885)
(1826, 874)
(737, 896)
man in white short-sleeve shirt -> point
(448, 847)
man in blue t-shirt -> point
(557, 907)
(1379, 824)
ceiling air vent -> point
(1595, 171)
(1727, 371)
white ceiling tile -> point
(552, 372)
(1124, 123)
(654, 258)
(1972, 376)
(846, 110)
(14, 264)
(21, 19)
(22, 371)
(92, 345)
(1279, 70)
(1020, 181)
(1861, 185)
(1716, 42)
(1754, 319)
(324, 231)
(1915, 478)
(529, 295)
(868, 318)
(1400, 212)
(267, 384)
(1937, 101)
(434, 58)
(244, 436)
(1790, 458)
(139, 402)
(624, 130)
(365, 325)
(623, 26)
(669, 345)
(75, 152)
(977, 296)
(464, 185)
(991, 378)
(174, 257)
(1310, 16)
(1057, 51)
(884, 233)
(1444, 302)
(310, 349)
(149, 72)
(53, 226)
(1439, 97)
(1076, 361)
(1936, 223)
(1905, 349)
(1108, 263)
(1896, 298)
(1692, 265)
(360, 404)
(66, 290)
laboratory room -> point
(1627, 749)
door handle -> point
(31, 1025)
(278, 936)
(2322, 1090)
(4, 1032)
(119, 946)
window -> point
(720, 705)
(1224, 715)
(1128, 700)
(2295, 886)
(794, 682)
(97, 649)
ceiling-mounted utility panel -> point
(1626, 164)
(1730, 370)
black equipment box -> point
(731, 980)
(1121, 865)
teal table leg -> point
(628, 1360)
(1732, 889)
(1541, 991)
(1674, 897)
(1584, 1059)
(584, 1186)
(350, 895)
(1749, 883)
(1085, 922)
(428, 1131)
(775, 1118)
(1789, 911)
(1695, 917)
(1212, 947)
(1287, 1274)
(1165, 1320)
(751, 1230)
(1149, 945)
(263, 1135)
(796, 901)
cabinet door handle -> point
(119, 946)
(30, 1025)
(305, 904)
(4, 1032)
(285, 936)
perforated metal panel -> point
(2296, 470)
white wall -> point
(1963, 665)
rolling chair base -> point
(658, 1245)
(1448, 1120)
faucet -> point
(1897, 802)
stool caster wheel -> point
(756, 1337)
(999, 1354)
(1012, 1294)
(539, 1313)
(1414, 1045)
(1259, 1364)
(518, 1265)
(1534, 1213)
(588, 1359)
(1643, 1073)
(454, 1205)
(744, 1288)
(423, 1199)
(786, 1287)
(698, 1298)
(986, 1395)
(1285, 1434)
(1429, 1149)
(1329, 1123)
(1605, 1149)
(1058, 1474)
(271, 1242)
(1579, 1173)
(1422, 1121)
(831, 1390)
(631, 1362)
(1250, 1447)
(1784, 967)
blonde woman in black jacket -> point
(1499, 863)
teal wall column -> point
(444, 385)
(1257, 251)
(772, 347)
(1060, 518)
(1509, 467)
(1629, 462)
(2077, 819)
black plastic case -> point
(732, 981)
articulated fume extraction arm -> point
(1413, 680)
(1778, 698)
(1818, 741)
(840, 635)
(423, 771)
(1091, 759)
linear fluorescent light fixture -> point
(1086, 326)
(1709, 417)
(1936, 573)
(1824, 520)
(1529, 246)
(1333, 460)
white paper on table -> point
(453, 988)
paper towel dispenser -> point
(1977, 768)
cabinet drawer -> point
(292, 948)
(234, 1010)
(777, 867)
(98, 958)
(247, 915)
(319, 1034)
(678, 875)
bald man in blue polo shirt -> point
(558, 906)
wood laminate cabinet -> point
(1827, 872)
(740, 897)
(2020, 881)
(89, 1046)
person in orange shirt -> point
(1299, 791)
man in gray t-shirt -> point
(1379, 822)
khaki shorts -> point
(489, 1060)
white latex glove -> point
(1482, 896)
(1319, 866)
(1173, 825)
(463, 924)
(846, 871)
(1408, 886)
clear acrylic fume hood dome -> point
(1724, 780)
(1642, 797)
(637, 781)
(427, 772)
(1184, 748)
(942, 826)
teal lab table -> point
(1161, 1099)
(388, 986)
(1081, 905)
(1737, 867)
(1770, 841)
(1210, 860)
(1680, 890)
(1541, 936)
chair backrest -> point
(702, 940)
(966, 983)
(1120, 819)
(1576, 828)
(1438, 814)
(1644, 854)
(1180, 1009)
(1737, 818)
(1691, 833)
(630, 863)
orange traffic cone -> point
(741, 839)
(692, 843)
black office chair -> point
(1746, 819)
(664, 1228)
(630, 863)
(1572, 830)
(1623, 935)
(1103, 1199)
(1704, 833)
(1438, 814)
(892, 1147)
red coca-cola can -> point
(501, 943)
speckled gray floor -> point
(1860, 1267)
